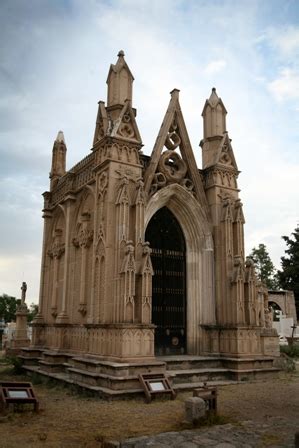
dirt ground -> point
(67, 419)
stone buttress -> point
(95, 294)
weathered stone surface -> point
(248, 435)
(195, 409)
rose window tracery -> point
(172, 166)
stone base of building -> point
(117, 342)
(238, 341)
(110, 379)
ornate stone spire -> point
(119, 80)
(214, 116)
(58, 159)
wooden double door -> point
(169, 282)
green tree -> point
(265, 269)
(8, 307)
(288, 277)
(33, 310)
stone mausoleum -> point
(143, 256)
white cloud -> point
(215, 67)
(286, 86)
(285, 40)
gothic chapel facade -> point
(143, 257)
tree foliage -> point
(33, 310)
(8, 307)
(289, 275)
(265, 269)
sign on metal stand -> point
(155, 383)
(17, 393)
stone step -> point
(189, 362)
(102, 392)
(182, 387)
(29, 360)
(109, 393)
(196, 375)
(116, 368)
(104, 380)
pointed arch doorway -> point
(169, 282)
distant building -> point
(284, 301)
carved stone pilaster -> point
(128, 271)
(238, 228)
(147, 273)
(251, 294)
(83, 241)
(55, 252)
(238, 277)
(139, 212)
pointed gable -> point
(101, 123)
(225, 154)
(170, 165)
(125, 126)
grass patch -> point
(211, 419)
(270, 439)
(5, 361)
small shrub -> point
(290, 350)
(17, 365)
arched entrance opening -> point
(276, 310)
(169, 282)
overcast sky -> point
(54, 59)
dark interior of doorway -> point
(169, 282)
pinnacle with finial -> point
(60, 137)
(214, 98)
(121, 53)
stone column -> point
(39, 318)
(63, 317)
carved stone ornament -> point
(82, 309)
(173, 139)
(101, 234)
(123, 195)
(188, 184)
(238, 269)
(172, 166)
(56, 250)
(225, 157)
(129, 260)
(54, 311)
(101, 131)
(103, 181)
(140, 197)
(126, 129)
(84, 238)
